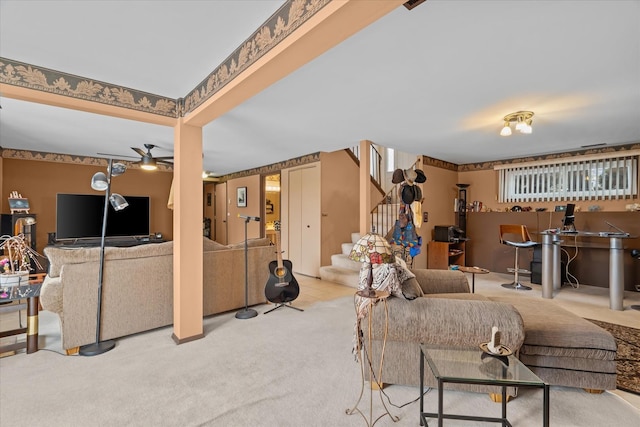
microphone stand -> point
(246, 313)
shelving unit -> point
(443, 254)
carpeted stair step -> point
(343, 261)
(346, 248)
(343, 276)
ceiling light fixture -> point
(148, 163)
(522, 120)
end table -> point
(473, 271)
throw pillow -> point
(411, 289)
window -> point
(593, 178)
(391, 162)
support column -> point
(365, 187)
(187, 232)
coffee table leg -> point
(440, 404)
(545, 406)
(421, 384)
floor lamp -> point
(246, 312)
(102, 182)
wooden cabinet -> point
(443, 254)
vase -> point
(14, 279)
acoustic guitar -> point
(281, 286)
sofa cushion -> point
(61, 255)
(209, 245)
(553, 331)
(261, 241)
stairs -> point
(343, 270)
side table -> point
(473, 271)
(365, 357)
(30, 292)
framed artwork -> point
(241, 197)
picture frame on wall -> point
(241, 197)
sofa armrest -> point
(441, 281)
(451, 322)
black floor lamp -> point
(102, 182)
(246, 312)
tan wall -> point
(339, 184)
(254, 207)
(484, 188)
(40, 181)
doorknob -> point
(308, 226)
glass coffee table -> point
(473, 366)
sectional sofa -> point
(558, 346)
(138, 286)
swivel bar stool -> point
(511, 231)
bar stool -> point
(511, 231)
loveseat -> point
(138, 286)
(558, 346)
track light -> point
(522, 120)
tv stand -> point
(123, 241)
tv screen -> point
(79, 216)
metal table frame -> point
(440, 415)
(551, 279)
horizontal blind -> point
(609, 178)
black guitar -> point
(281, 286)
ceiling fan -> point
(147, 161)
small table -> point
(473, 366)
(366, 358)
(30, 292)
(473, 271)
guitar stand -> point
(283, 305)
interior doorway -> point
(272, 205)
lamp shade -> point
(99, 181)
(118, 202)
(373, 249)
(118, 169)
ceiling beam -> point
(48, 98)
(330, 26)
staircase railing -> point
(385, 213)
(376, 163)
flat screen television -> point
(79, 216)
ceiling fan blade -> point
(139, 151)
(117, 156)
(164, 158)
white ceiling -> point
(436, 80)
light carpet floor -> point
(286, 368)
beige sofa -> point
(138, 286)
(560, 347)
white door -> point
(304, 220)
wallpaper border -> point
(43, 79)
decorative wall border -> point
(10, 153)
(470, 167)
(283, 22)
(21, 74)
(430, 161)
(274, 167)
